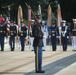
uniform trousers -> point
(2, 43)
(22, 41)
(44, 43)
(12, 43)
(64, 43)
(38, 58)
(74, 43)
(31, 42)
(53, 40)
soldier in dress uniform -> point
(45, 31)
(3, 33)
(12, 34)
(22, 35)
(54, 33)
(64, 35)
(38, 43)
(74, 35)
(31, 36)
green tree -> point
(44, 5)
(68, 7)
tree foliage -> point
(68, 7)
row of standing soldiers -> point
(12, 30)
(38, 35)
(61, 33)
(38, 43)
(53, 32)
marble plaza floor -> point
(22, 63)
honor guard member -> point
(22, 35)
(64, 34)
(3, 32)
(31, 36)
(38, 43)
(74, 35)
(13, 33)
(45, 32)
(54, 33)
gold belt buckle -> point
(21, 34)
(53, 34)
(11, 33)
(63, 34)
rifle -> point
(36, 55)
(28, 6)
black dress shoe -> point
(43, 50)
(74, 50)
(2, 50)
(32, 50)
(12, 50)
(22, 50)
(64, 50)
(54, 49)
(41, 71)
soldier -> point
(22, 35)
(12, 34)
(3, 32)
(45, 31)
(31, 36)
(64, 34)
(38, 43)
(17, 38)
(74, 35)
(54, 34)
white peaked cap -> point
(32, 20)
(64, 21)
(43, 21)
(74, 19)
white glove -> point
(65, 32)
(59, 37)
(44, 36)
(50, 36)
(67, 37)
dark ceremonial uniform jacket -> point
(13, 30)
(74, 32)
(23, 31)
(54, 31)
(38, 36)
(3, 30)
(5, 25)
(63, 29)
